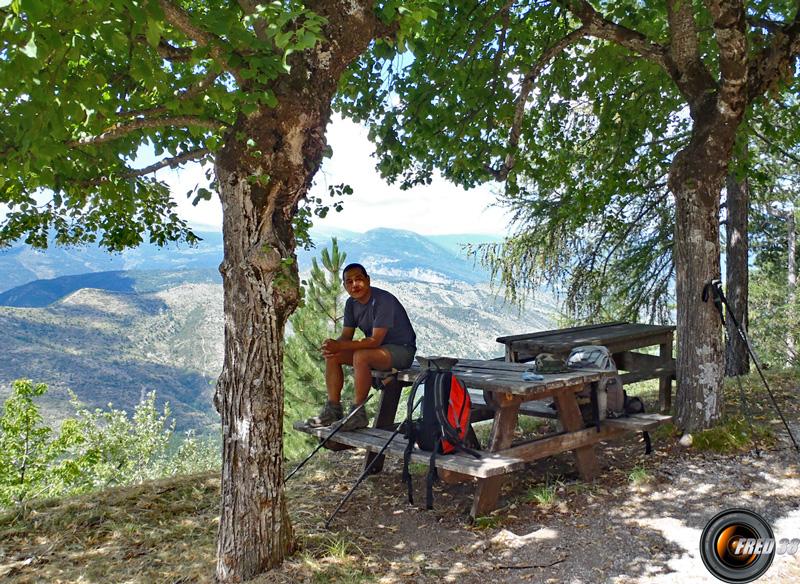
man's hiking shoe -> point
(356, 421)
(330, 414)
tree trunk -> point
(737, 360)
(791, 286)
(696, 185)
(254, 529)
(263, 170)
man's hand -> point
(330, 347)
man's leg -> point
(334, 380)
(364, 361)
(334, 376)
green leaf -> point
(30, 49)
(202, 195)
(153, 33)
(268, 98)
(308, 40)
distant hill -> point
(44, 292)
(392, 252)
(397, 255)
(21, 264)
(112, 346)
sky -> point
(436, 209)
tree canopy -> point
(612, 123)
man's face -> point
(356, 284)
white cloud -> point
(438, 208)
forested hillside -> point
(113, 336)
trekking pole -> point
(716, 288)
(742, 397)
(328, 437)
(366, 470)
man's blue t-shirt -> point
(382, 310)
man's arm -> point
(343, 343)
(347, 333)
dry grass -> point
(161, 531)
(165, 532)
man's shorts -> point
(402, 355)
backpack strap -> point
(433, 477)
(410, 433)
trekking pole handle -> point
(714, 288)
(328, 437)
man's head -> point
(356, 281)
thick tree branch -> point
(775, 60)
(169, 51)
(173, 162)
(182, 21)
(765, 23)
(690, 73)
(599, 27)
(120, 130)
(525, 91)
(730, 32)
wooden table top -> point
(506, 377)
(562, 340)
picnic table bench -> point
(621, 338)
(501, 395)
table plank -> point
(542, 334)
(507, 378)
(608, 335)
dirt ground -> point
(639, 522)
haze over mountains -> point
(114, 327)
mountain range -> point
(154, 321)
(391, 253)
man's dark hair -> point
(349, 267)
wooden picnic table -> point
(621, 338)
(504, 397)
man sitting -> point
(390, 342)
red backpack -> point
(444, 424)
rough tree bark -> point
(260, 186)
(737, 360)
(696, 187)
(791, 285)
